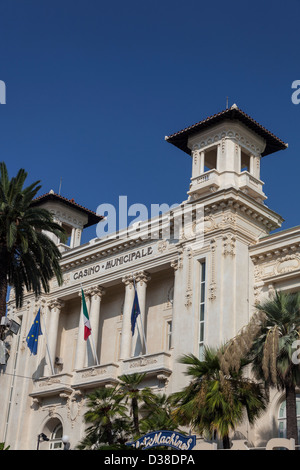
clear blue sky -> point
(93, 87)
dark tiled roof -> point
(93, 218)
(273, 143)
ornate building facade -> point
(198, 286)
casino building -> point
(197, 286)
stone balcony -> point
(96, 376)
(205, 183)
(251, 185)
(152, 364)
(64, 384)
(52, 385)
(213, 180)
(63, 247)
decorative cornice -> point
(271, 253)
(234, 131)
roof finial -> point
(59, 186)
(226, 102)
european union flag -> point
(34, 333)
(135, 312)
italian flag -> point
(87, 325)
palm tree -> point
(272, 351)
(158, 414)
(130, 388)
(215, 403)
(108, 419)
(28, 258)
(268, 342)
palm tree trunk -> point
(291, 414)
(135, 413)
(226, 442)
(110, 439)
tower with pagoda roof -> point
(73, 217)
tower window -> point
(68, 230)
(245, 161)
(210, 159)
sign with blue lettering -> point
(164, 438)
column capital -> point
(96, 291)
(128, 280)
(142, 277)
(86, 292)
(56, 304)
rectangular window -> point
(210, 159)
(202, 310)
(169, 334)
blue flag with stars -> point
(34, 333)
(135, 312)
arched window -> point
(282, 418)
(56, 438)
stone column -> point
(139, 346)
(55, 307)
(96, 294)
(202, 161)
(251, 165)
(196, 163)
(126, 325)
(81, 343)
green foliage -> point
(158, 414)
(2, 446)
(268, 343)
(130, 388)
(214, 403)
(28, 258)
(123, 413)
(272, 350)
(107, 416)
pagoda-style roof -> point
(93, 218)
(273, 143)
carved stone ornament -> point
(142, 277)
(210, 224)
(162, 246)
(55, 304)
(74, 405)
(288, 264)
(212, 291)
(128, 280)
(229, 245)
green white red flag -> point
(86, 320)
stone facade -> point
(199, 288)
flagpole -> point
(144, 336)
(47, 347)
(94, 349)
(141, 321)
(92, 339)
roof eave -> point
(93, 218)
(273, 143)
